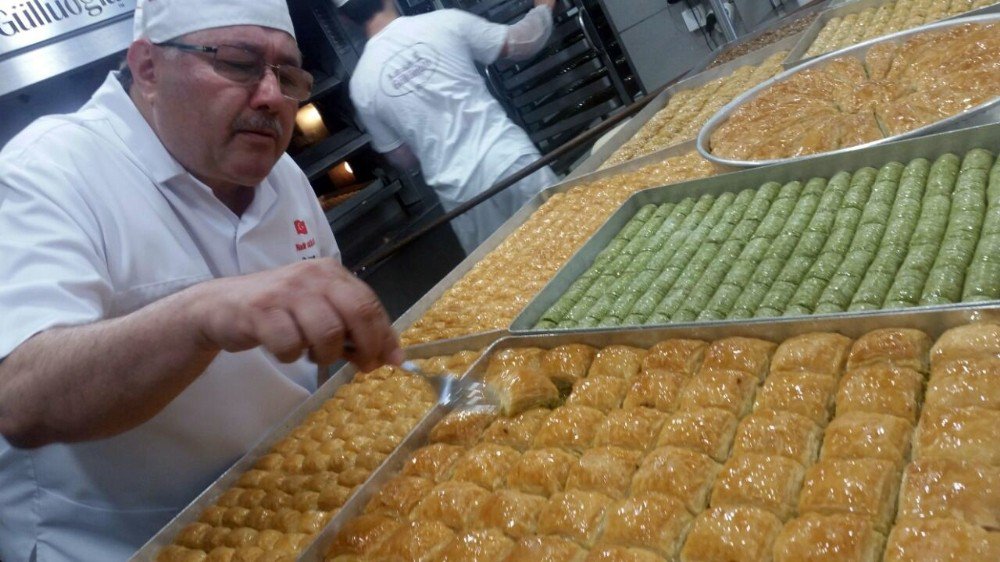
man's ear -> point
(140, 62)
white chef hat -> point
(340, 3)
(163, 20)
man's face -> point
(225, 133)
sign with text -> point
(28, 22)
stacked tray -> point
(623, 466)
(796, 80)
(868, 19)
(821, 216)
(600, 157)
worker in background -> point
(165, 269)
(417, 91)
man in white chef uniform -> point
(168, 283)
(417, 90)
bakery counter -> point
(778, 439)
(781, 240)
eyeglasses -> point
(246, 67)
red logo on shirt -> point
(300, 227)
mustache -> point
(258, 122)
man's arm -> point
(529, 35)
(97, 380)
(403, 159)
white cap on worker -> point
(163, 20)
(340, 3)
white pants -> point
(476, 225)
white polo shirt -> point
(97, 220)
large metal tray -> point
(625, 133)
(808, 37)
(988, 112)
(190, 514)
(929, 147)
(934, 323)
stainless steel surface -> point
(624, 134)
(724, 21)
(930, 147)
(934, 323)
(984, 113)
(43, 27)
(40, 63)
(229, 478)
(841, 9)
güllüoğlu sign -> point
(24, 23)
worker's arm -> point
(402, 158)
(529, 35)
(97, 380)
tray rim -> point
(944, 124)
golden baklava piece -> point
(985, 365)
(546, 547)
(486, 545)
(397, 497)
(518, 431)
(861, 435)
(415, 541)
(902, 347)
(623, 361)
(463, 427)
(940, 540)
(631, 428)
(575, 515)
(864, 487)
(708, 430)
(944, 488)
(728, 390)
(881, 389)
(514, 513)
(647, 520)
(681, 473)
(452, 503)
(655, 388)
(743, 533)
(675, 355)
(820, 353)
(362, 534)
(785, 434)
(570, 427)
(566, 364)
(771, 483)
(969, 386)
(433, 462)
(622, 554)
(541, 471)
(601, 392)
(512, 359)
(607, 470)
(518, 389)
(828, 538)
(806, 394)
(958, 433)
(485, 465)
(980, 339)
(749, 355)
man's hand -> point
(550, 4)
(314, 306)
